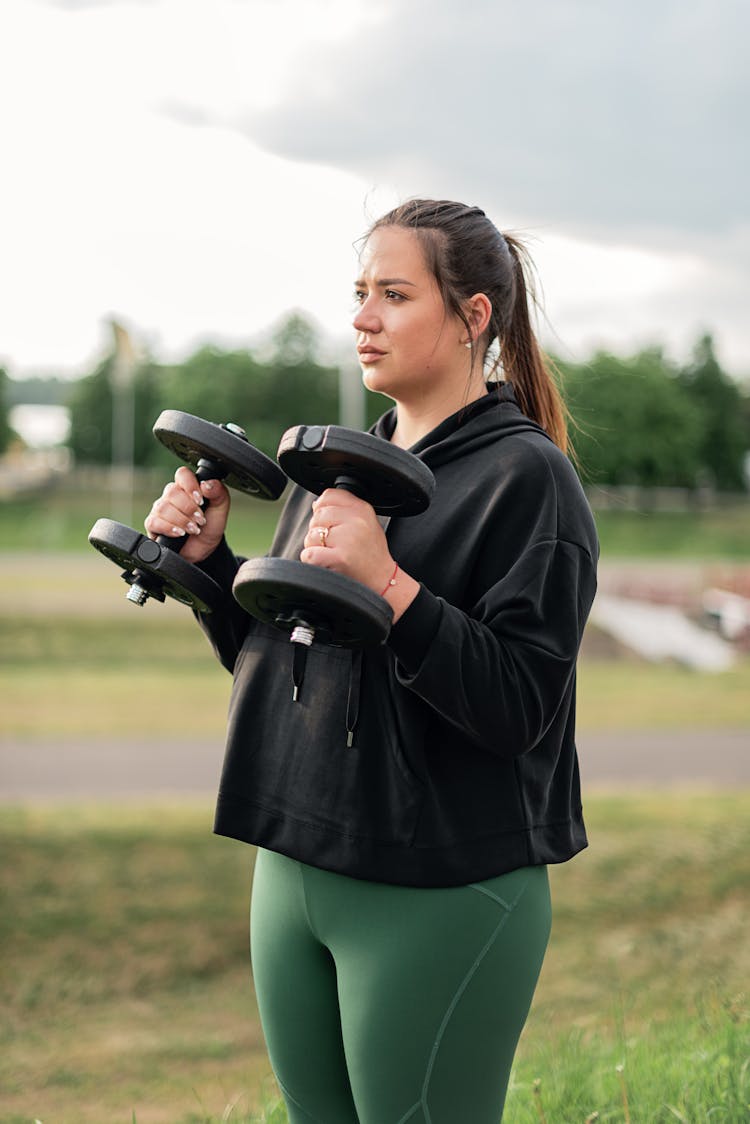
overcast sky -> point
(195, 168)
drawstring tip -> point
(298, 669)
(352, 702)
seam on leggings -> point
(459, 992)
(495, 897)
(288, 1096)
(410, 1112)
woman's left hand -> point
(344, 535)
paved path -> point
(109, 768)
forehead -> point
(391, 251)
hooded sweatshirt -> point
(445, 755)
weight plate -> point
(285, 593)
(393, 480)
(167, 571)
(192, 439)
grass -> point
(688, 1069)
(723, 533)
(630, 695)
(60, 519)
(124, 982)
(87, 670)
(74, 676)
(126, 993)
(126, 933)
(647, 970)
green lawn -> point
(125, 986)
(633, 695)
(710, 535)
(68, 675)
(60, 519)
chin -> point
(372, 382)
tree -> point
(295, 341)
(90, 405)
(633, 423)
(289, 388)
(220, 386)
(725, 438)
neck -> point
(416, 418)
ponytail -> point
(524, 364)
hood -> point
(472, 427)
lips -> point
(368, 354)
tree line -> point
(646, 421)
(640, 420)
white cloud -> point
(113, 205)
(598, 117)
(135, 183)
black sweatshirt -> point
(463, 761)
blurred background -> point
(184, 185)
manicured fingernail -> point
(177, 531)
(198, 498)
(192, 529)
(199, 518)
(208, 485)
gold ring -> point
(323, 532)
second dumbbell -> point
(309, 602)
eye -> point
(358, 296)
(392, 295)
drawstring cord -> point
(299, 661)
(352, 702)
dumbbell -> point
(153, 567)
(310, 602)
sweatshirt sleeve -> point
(228, 625)
(501, 671)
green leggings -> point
(386, 1004)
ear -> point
(478, 310)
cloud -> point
(591, 117)
(611, 133)
(621, 298)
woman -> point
(400, 907)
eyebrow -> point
(386, 281)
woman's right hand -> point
(178, 512)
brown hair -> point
(467, 254)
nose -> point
(366, 318)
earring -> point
(468, 344)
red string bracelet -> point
(391, 582)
